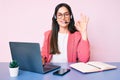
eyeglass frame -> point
(63, 15)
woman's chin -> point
(64, 25)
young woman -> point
(67, 41)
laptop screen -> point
(27, 55)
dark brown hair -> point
(55, 28)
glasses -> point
(60, 15)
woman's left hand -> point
(81, 25)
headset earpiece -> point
(71, 17)
(55, 17)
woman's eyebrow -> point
(62, 13)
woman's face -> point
(63, 17)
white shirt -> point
(62, 45)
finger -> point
(76, 24)
(83, 17)
(86, 19)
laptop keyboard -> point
(49, 67)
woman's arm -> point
(45, 48)
(83, 49)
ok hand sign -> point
(81, 25)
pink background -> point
(27, 20)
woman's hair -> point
(55, 28)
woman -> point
(67, 41)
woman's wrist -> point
(84, 35)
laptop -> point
(29, 58)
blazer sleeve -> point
(83, 50)
(45, 48)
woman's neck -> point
(63, 30)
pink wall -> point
(27, 20)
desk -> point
(72, 75)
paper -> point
(93, 66)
